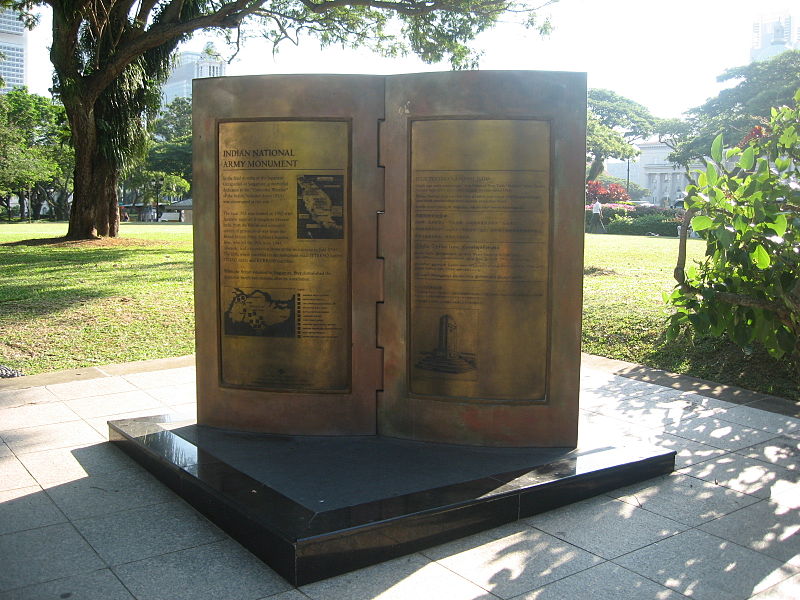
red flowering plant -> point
(612, 196)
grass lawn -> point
(624, 317)
(74, 304)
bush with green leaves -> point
(746, 205)
(661, 224)
(610, 211)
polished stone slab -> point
(314, 507)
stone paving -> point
(80, 520)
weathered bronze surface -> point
(291, 233)
(480, 323)
(284, 268)
(480, 210)
(398, 255)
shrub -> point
(635, 191)
(748, 211)
(611, 193)
(609, 212)
(659, 224)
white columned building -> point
(653, 170)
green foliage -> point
(174, 121)
(110, 62)
(170, 149)
(623, 317)
(612, 122)
(661, 224)
(26, 132)
(746, 205)
(67, 305)
(609, 212)
(736, 110)
(635, 191)
(37, 160)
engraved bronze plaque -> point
(479, 258)
(284, 278)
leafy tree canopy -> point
(613, 122)
(174, 121)
(110, 59)
(746, 204)
(634, 190)
(736, 110)
(31, 134)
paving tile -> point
(175, 394)
(289, 595)
(688, 452)
(766, 527)
(35, 415)
(27, 508)
(720, 434)
(13, 474)
(604, 526)
(140, 533)
(33, 395)
(703, 566)
(684, 499)
(470, 542)
(746, 475)
(108, 493)
(606, 581)
(44, 554)
(598, 431)
(219, 571)
(653, 413)
(97, 585)
(72, 390)
(112, 404)
(761, 419)
(520, 562)
(163, 378)
(62, 465)
(788, 589)
(605, 382)
(782, 450)
(786, 493)
(48, 437)
(410, 576)
(184, 411)
(712, 404)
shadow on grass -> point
(720, 360)
(97, 243)
(48, 275)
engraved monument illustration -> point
(446, 357)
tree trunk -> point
(595, 169)
(94, 211)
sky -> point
(664, 55)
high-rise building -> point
(774, 35)
(13, 38)
(188, 66)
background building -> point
(653, 170)
(13, 41)
(774, 35)
(188, 66)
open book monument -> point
(388, 275)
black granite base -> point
(312, 508)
